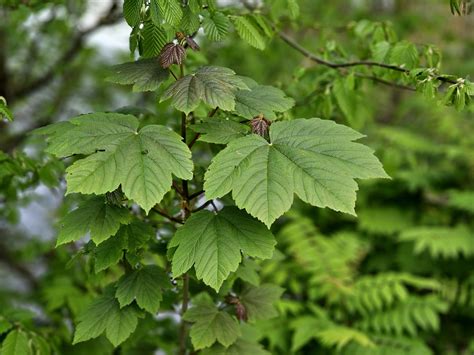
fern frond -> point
(374, 293)
(389, 345)
(330, 262)
(442, 242)
(414, 313)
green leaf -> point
(211, 325)
(131, 11)
(5, 325)
(16, 343)
(143, 74)
(130, 237)
(405, 54)
(314, 158)
(216, 86)
(105, 315)
(463, 200)
(213, 244)
(190, 22)
(170, 10)
(155, 14)
(293, 8)
(220, 131)
(4, 110)
(240, 347)
(258, 301)
(142, 162)
(144, 286)
(95, 215)
(154, 39)
(261, 99)
(249, 31)
(216, 26)
(248, 272)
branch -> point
(203, 206)
(166, 215)
(111, 17)
(196, 194)
(385, 82)
(292, 43)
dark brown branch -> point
(166, 215)
(112, 16)
(203, 206)
(178, 189)
(197, 135)
(184, 308)
(196, 194)
(292, 43)
(194, 140)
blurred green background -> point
(400, 275)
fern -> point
(389, 345)
(414, 313)
(382, 291)
(441, 242)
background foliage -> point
(395, 279)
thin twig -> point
(203, 206)
(214, 206)
(197, 135)
(292, 43)
(196, 194)
(166, 215)
(173, 74)
(194, 140)
(385, 82)
(177, 188)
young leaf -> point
(95, 215)
(170, 10)
(142, 162)
(154, 39)
(216, 86)
(261, 99)
(190, 22)
(105, 314)
(211, 325)
(213, 244)
(220, 131)
(143, 74)
(16, 343)
(314, 158)
(405, 54)
(131, 11)
(216, 26)
(258, 301)
(249, 31)
(144, 286)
